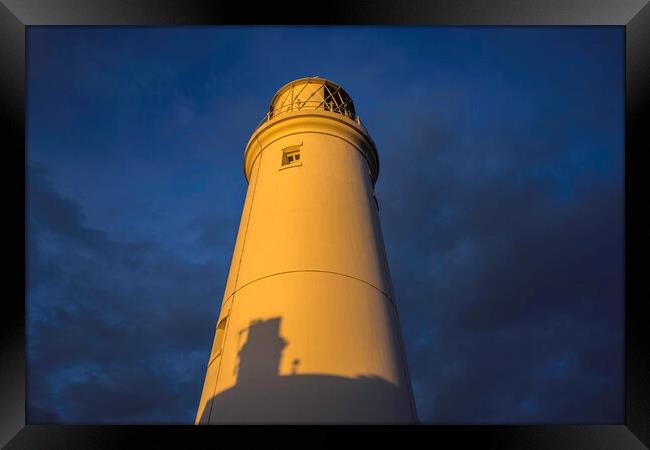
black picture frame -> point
(634, 15)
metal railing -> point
(326, 96)
(309, 105)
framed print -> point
(422, 215)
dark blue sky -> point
(500, 191)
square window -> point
(290, 155)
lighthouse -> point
(308, 330)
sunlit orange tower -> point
(308, 329)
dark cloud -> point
(117, 331)
(511, 289)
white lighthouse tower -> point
(308, 330)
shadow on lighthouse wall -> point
(262, 395)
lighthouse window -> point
(218, 339)
(290, 156)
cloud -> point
(117, 331)
(511, 289)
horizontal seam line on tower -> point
(314, 271)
